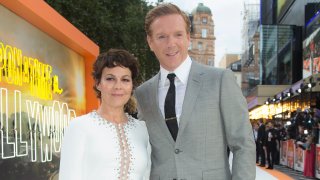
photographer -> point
(271, 144)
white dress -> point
(94, 148)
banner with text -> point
(41, 90)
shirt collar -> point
(182, 72)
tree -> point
(112, 24)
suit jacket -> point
(262, 135)
(214, 116)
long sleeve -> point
(72, 152)
(237, 127)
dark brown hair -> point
(163, 10)
(113, 58)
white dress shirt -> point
(255, 134)
(181, 80)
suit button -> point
(177, 151)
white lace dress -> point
(94, 148)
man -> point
(261, 139)
(271, 144)
(193, 112)
(255, 127)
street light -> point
(274, 98)
(311, 84)
(267, 103)
(289, 93)
(301, 89)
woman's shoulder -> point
(136, 120)
(82, 120)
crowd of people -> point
(303, 127)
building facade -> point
(227, 59)
(236, 68)
(289, 58)
(280, 54)
(250, 59)
(202, 47)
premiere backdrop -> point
(311, 54)
(42, 87)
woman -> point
(108, 143)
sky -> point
(227, 16)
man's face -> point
(169, 40)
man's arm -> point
(238, 130)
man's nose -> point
(171, 41)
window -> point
(210, 62)
(204, 33)
(200, 46)
(204, 20)
(234, 67)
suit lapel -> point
(154, 102)
(192, 92)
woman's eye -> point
(109, 78)
(126, 80)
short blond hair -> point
(163, 10)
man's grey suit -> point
(214, 116)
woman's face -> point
(115, 86)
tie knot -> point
(171, 77)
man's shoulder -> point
(206, 67)
(147, 83)
(209, 70)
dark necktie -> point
(170, 108)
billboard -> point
(311, 54)
(42, 88)
(317, 174)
